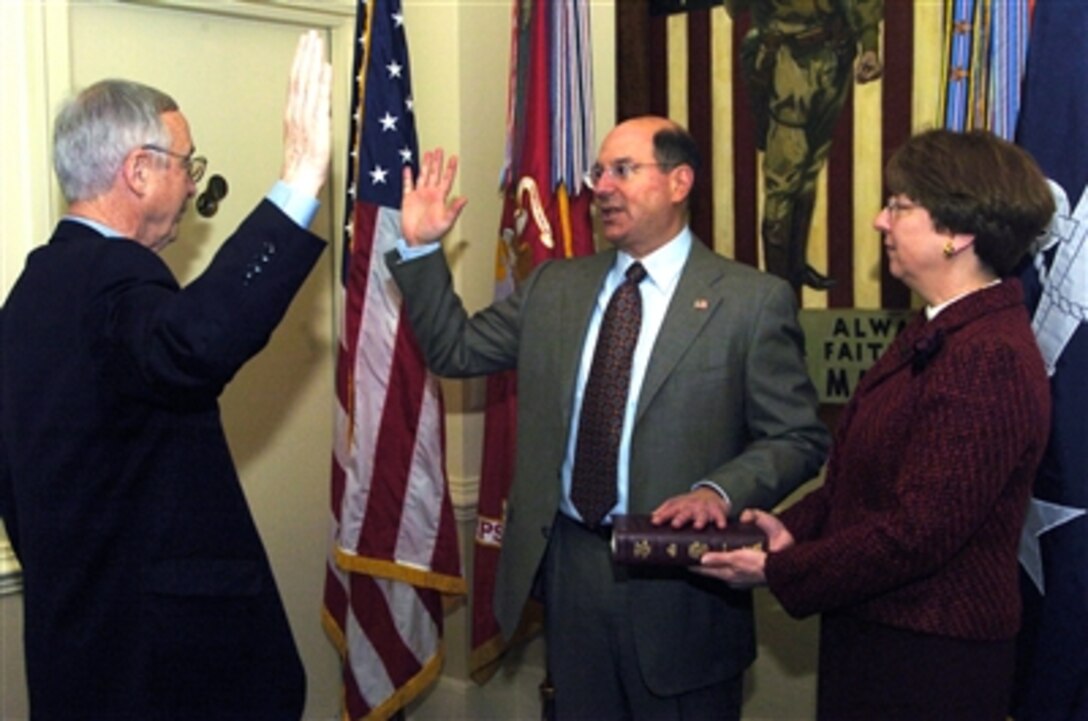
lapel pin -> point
(701, 304)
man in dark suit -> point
(148, 593)
(719, 415)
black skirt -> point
(870, 671)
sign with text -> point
(842, 343)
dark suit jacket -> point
(726, 397)
(148, 593)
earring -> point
(949, 249)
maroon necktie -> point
(596, 454)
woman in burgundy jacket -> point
(909, 549)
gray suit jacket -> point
(726, 397)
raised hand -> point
(426, 211)
(307, 125)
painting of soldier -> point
(800, 59)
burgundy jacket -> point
(918, 522)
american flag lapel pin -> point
(701, 304)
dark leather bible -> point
(635, 540)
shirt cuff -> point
(297, 206)
(717, 489)
(411, 252)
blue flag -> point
(1052, 673)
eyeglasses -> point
(193, 165)
(895, 207)
(621, 171)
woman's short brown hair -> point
(978, 184)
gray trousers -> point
(591, 653)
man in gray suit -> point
(719, 416)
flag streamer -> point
(545, 215)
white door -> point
(229, 76)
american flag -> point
(394, 543)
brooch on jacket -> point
(925, 349)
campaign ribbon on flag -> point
(546, 214)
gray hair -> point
(96, 129)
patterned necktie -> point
(596, 454)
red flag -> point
(394, 542)
(549, 140)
